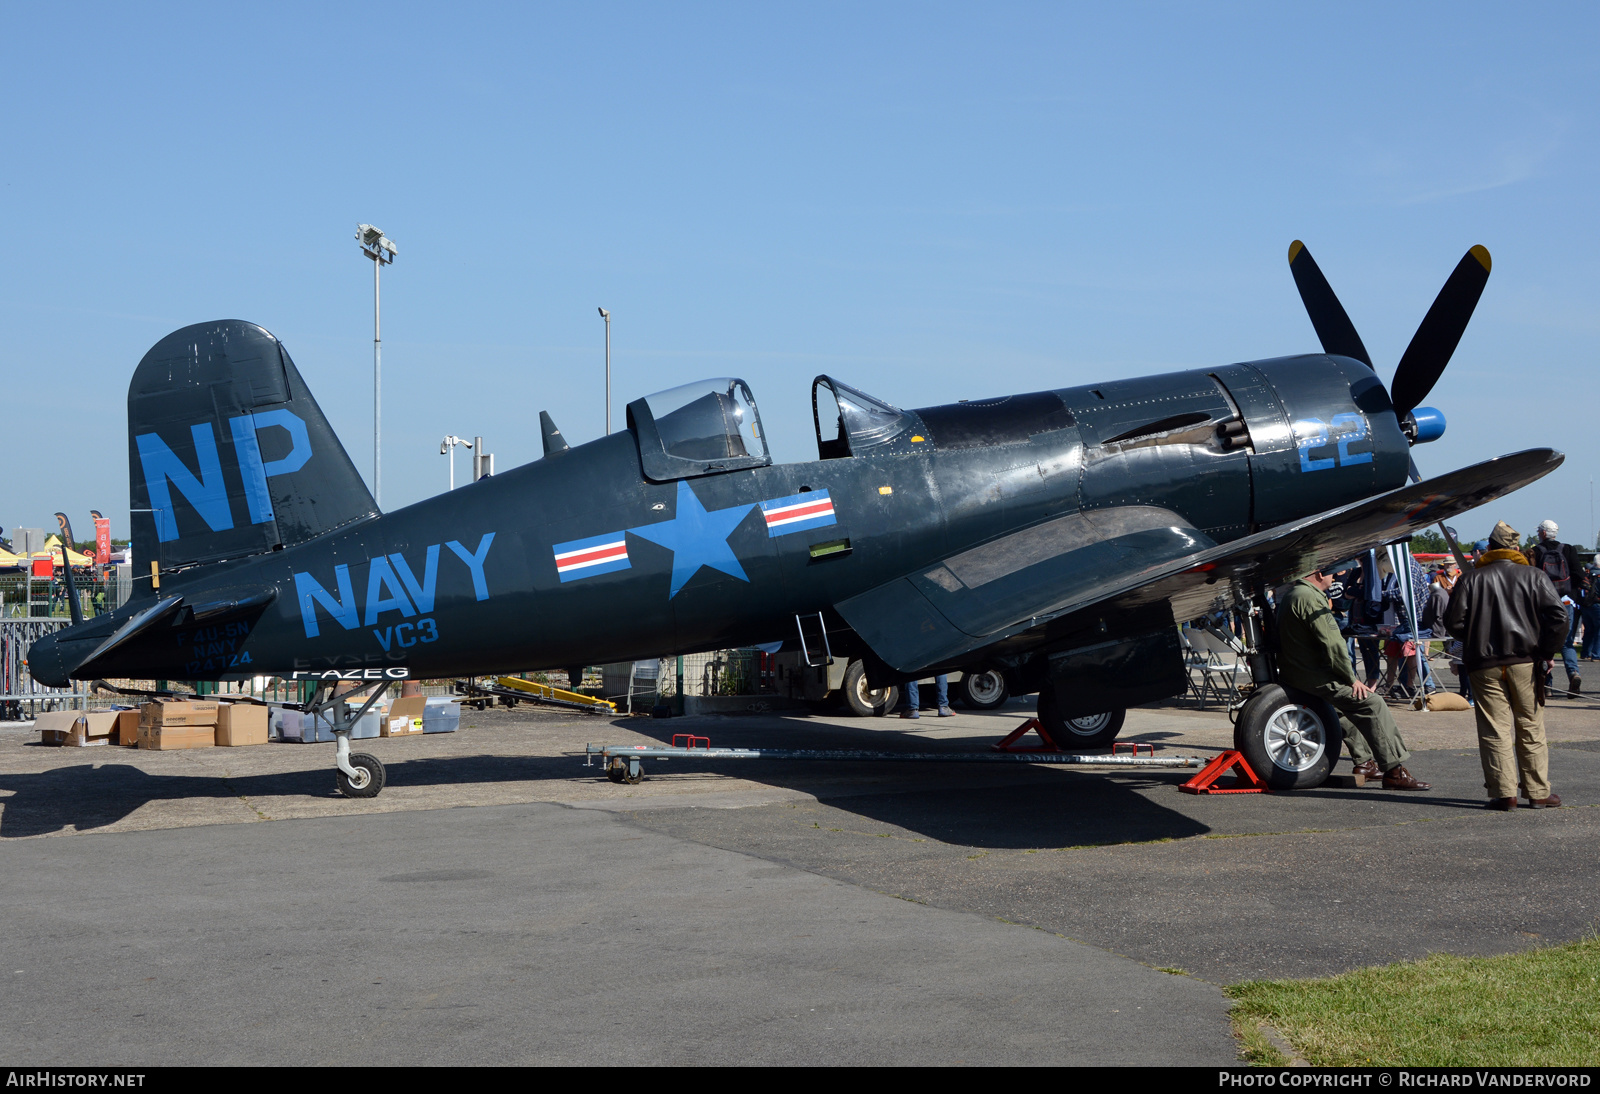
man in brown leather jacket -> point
(1511, 623)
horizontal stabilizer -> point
(140, 623)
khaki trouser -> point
(1369, 728)
(1511, 732)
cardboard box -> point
(179, 712)
(241, 724)
(165, 737)
(101, 723)
(404, 717)
(127, 728)
(74, 728)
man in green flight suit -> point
(1313, 657)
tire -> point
(1089, 731)
(1290, 739)
(376, 776)
(982, 689)
(863, 700)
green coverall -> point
(1313, 657)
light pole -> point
(381, 249)
(607, 317)
(448, 445)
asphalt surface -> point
(499, 903)
(535, 934)
(1229, 888)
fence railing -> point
(21, 696)
(24, 597)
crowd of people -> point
(1374, 618)
(1506, 619)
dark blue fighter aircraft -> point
(1054, 538)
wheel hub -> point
(1294, 738)
(1089, 724)
(985, 687)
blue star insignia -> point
(697, 538)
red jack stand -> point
(1248, 781)
(1009, 742)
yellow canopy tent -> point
(53, 545)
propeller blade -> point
(1334, 329)
(1440, 332)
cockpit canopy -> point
(850, 421)
(698, 429)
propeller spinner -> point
(1431, 347)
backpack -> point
(1553, 561)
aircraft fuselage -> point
(579, 558)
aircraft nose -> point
(47, 662)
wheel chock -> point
(1248, 781)
(1008, 743)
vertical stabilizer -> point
(228, 453)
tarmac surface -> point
(227, 906)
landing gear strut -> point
(359, 774)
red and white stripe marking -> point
(806, 510)
(568, 561)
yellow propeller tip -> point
(1481, 253)
(1294, 251)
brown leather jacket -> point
(1506, 613)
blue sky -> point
(929, 202)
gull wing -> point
(1030, 587)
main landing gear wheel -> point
(984, 689)
(862, 699)
(1086, 731)
(369, 778)
(1291, 739)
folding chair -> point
(1222, 666)
(1194, 661)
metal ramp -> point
(625, 763)
(531, 691)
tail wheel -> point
(984, 689)
(1291, 739)
(369, 778)
(864, 700)
(1089, 731)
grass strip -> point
(1539, 1007)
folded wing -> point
(1027, 587)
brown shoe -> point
(1545, 803)
(1369, 769)
(1398, 778)
(1504, 805)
